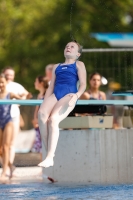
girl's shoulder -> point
(85, 96)
(102, 94)
(80, 64)
(55, 66)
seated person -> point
(94, 92)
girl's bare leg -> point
(1, 136)
(16, 128)
(43, 115)
(7, 136)
(60, 111)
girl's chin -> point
(95, 88)
(70, 57)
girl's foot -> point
(4, 178)
(48, 162)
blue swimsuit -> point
(66, 80)
(5, 116)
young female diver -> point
(60, 98)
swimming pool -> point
(47, 191)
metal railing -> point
(79, 102)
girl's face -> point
(37, 84)
(3, 83)
(10, 74)
(95, 82)
(71, 51)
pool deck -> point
(27, 173)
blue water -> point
(45, 191)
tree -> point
(34, 33)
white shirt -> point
(18, 89)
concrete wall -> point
(93, 156)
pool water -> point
(47, 191)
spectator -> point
(41, 84)
(94, 92)
(17, 89)
(48, 71)
(6, 127)
(116, 111)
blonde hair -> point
(80, 47)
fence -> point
(116, 64)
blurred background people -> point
(41, 84)
(6, 127)
(17, 89)
(48, 71)
(94, 88)
(115, 111)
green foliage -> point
(34, 33)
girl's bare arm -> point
(15, 96)
(82, 83)
(82, 78)
(50, 89)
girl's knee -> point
(6, 147)
(12, 147)
(53, 120)
(42, 116)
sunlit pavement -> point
(26, 173)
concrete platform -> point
(93, 156)
(27, 159)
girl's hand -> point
(29, 96)
(73, 99)
(35, 123)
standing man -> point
(18, 89)
(48, 71)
